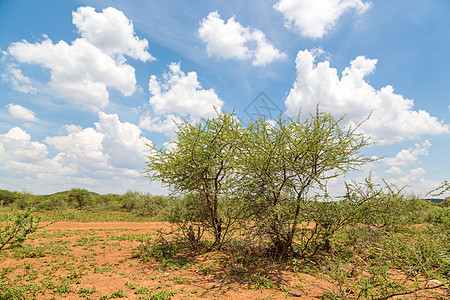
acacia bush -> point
(263, 173)
(145, 204)
(386, 206)
(445, 203)
(284, 166)
(53, 202)
(80, 198)
(202, 161)
(111, 202)
(324, 218)
(15, 226)
(7, 197)
(439, 218)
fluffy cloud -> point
(85, 69)
(112, 152)
(110, 31)
(395, 170)
(17, 147)
(84, 160)
(408, 156)
(18, 81)
(392, 116)
(416, 182)
(24, 163)
(313, 19)
(79, 71)
(414, 176)
(81, 149)
(232, 40)
(122, 142)
(166, 124)
(20, 112)
(178, 93)
(112, 144)
(177, 96)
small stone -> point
(295, 293)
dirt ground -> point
(72, 260)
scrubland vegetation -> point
(250, 209)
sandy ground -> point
(99, 257)
(105, 225)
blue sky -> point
(84, 85)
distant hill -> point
(435, 201)
(65, 193)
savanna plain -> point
(81, 245)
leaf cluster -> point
(15, 227)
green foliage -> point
(370, 263)
(7, 197)
(53, 202)
(260, 280)
(86, 292)
(164, 249)
(191, 218)
(328, 218)
(268, 181)
(111, 202)
(145, 204)
(201, 161)
(115, 295)
(272, 166)
(160, 248)
(187, 209)
(151, 205)
(161, 295)
(446, 202)
(130, 200)
(439, 218)
(10, 291)
(81, 198)
(25, 199)
(386, 206)
(281, 163)
(28, 251)
(15, 226)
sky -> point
(86, 86)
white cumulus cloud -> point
(182, 94)
(392, 116)
(80, 149)
(110, 31)
(111, 145)
(395, 170)
(313, 19)
(18, 81)
(416, 182)
(20, 112)
(18, 148)
(86, 157)
(122, 142)
(25, 162)
(85, 69)
(163, 124)
(232, 40)
(408, 156)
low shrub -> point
(15, 226)
(53, 202)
